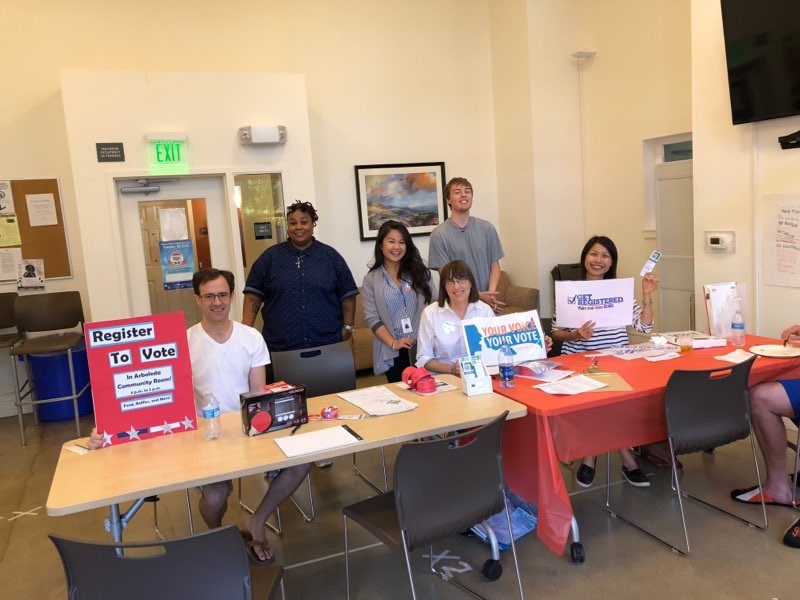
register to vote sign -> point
(141, 377)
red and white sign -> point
(141, 377)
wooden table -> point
(132, 471)
(564, 428)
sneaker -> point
(585, 475)
(323, 464)
(635, 477)
(792, 536)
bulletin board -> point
(48, 242)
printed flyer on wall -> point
(520, 331)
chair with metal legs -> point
(7, 340)
(795, 447)
(440, 488)
(208, 565)
(321, 370)
(50, 312)
(704, 409)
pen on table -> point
(349, 430)
(296, 427)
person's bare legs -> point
(768, 405)
(214, 502)
(280, 488)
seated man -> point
(228, 359)
(769, 403)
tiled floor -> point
(728, 559)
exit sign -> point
(166, 154)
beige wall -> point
(406, 81)
(735, 167)
(588, 124)
(393, 81)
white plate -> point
(776, 351)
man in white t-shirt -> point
(228, 359)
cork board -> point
(48, 242)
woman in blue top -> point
(394, 292)
(599, 261)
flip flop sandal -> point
(751, 495)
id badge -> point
(405, 323)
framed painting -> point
(411, 193)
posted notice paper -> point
(607, 302)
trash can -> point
(50, 374)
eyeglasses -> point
(457, 281)
(222, 297)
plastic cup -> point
(685, 342)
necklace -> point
(299, 260)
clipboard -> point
(614, 381)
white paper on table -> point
(315, 441)
(648, 353)
(378, 401)
(607, 302)
(548, 376)
(735, 357)
(666, 356)
(572, 385)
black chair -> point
(441, 487)
(51, 312)
(705, 409)
(561, 272)
(322, 370)
(209, 565)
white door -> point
(675, 238)
(147, 219)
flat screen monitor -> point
(762, 48)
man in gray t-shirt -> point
(473, 240)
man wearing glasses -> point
(228, 359)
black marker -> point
(296, 427)
(353, 433)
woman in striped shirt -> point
(599, 261)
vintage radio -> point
(276, 406)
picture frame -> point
(411, 193)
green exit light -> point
(167, 155)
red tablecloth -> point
(560, 428)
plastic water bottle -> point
(737, 326)
(505, 360)
(210, 414)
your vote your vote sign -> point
(141, 377)
(521, 331)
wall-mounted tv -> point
(762, 47)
